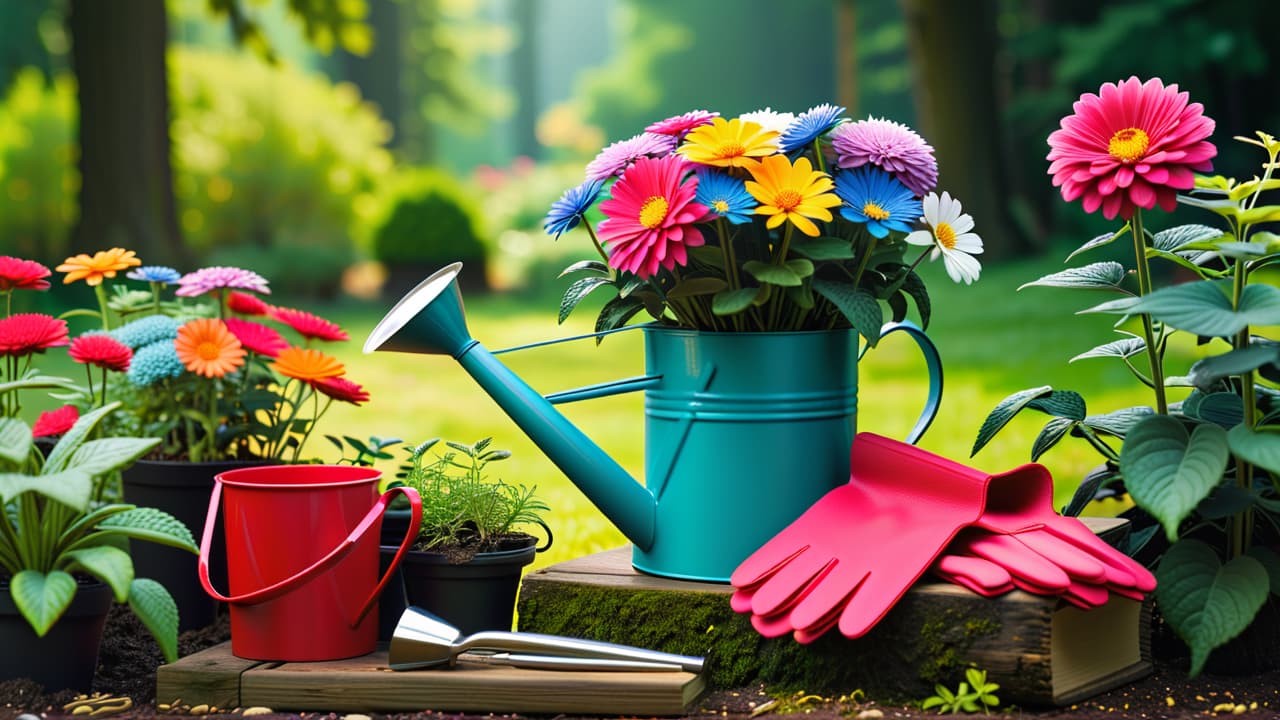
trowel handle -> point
(536, 644)
(560, 662)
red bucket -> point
(302, 558)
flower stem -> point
(596, 241)
(101, 293)
(1148, 327)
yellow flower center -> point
(874, 211)
(730, 150)
(720, 206)
(209, 351)
(653, 212)
(1128, 144)
(787, 199)
(946, 235)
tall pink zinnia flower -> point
(1133, 145)
(649, 220)
(890, 146)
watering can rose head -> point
(765, 222)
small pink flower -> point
(19, 274)
(246, 304)
(101, 350)
(681, 124)
(218, 277)
(615, 159)
(256, 337)
(55, 422)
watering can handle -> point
(329, 560)
(934, 364)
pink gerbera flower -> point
(615, 159)
(27, 333)
(340, 388)
(101, 350)
(311, 327)
(219, 277)
(256, 337)
(1133, 145)
(650, 217)
(55, 422)
(19, 274)
(890, 146)
(246, 304)
(680, 124)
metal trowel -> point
(422, 640)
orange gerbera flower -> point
(103, 264)
(206, 347)
(306, 364)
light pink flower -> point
(681, 124)
(890, 146)
(218, 277)
(615, 159)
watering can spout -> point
(430, 319)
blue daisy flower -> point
(147, 330)
(153, 363)
(567, 212)
(809, 126)
(726, 196)
(154, 273)
(877, 199)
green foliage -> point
(460, 504)
(326, 23)
(367, 451)
(974, 694)
(427, 219)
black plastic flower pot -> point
(472, 596)
(67, 656)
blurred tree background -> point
(246, 131)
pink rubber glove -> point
(855, 551)
(988, 579)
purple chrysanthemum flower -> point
(890, 146)
(810, 125)
(681, 124)
(218, 277)
(154, 273)
(567, 212)
(616, 158)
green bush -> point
(38, 176)
(428, 221)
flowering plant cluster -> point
(1205, 468)
(765, 222)
(205, 371)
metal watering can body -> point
(743, 430)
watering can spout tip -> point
(428, 319)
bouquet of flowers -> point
(765, 222)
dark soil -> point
(129, 658)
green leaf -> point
(37, 381)
(1053, 431)
(801, 267)
(859, 306)
(1099, 241)
(150, 524)
(691, 287)
(1225, 500)
(913, 285)
(1235, 362)
(594, 267)
(1003, 413)
(731, 302)
(1122, 348)
(110, 565)
(1270, 562)
(1202, 308)
(42, 598)
(1088, 489)
(1177, 238)
(802, 296)
(580, 288)
(1221, 408)
(1096, 276)
(69, 487)
(1205, 602)
(15, 440)
(709, 255)
(155, 607)
(1256, 447)
(1060, 403)
(1168, 471)
(781, 275)
(73, 438)
(1118, 422)
(99, 457)
(616, 313)
(1262, 214)
(823, 248)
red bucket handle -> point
(338, 553)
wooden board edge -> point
(1136, 671)
(210, 676)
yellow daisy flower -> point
(103, 264)
(792, 192)
(729, 143)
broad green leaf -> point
(110, 565)
(1099, 241)
(1003, 413)
(98, 457)
(859, 306)
(1095, 276)
(1177, 238)
(709, 255)
(154, 606)
(42, 598)
(1256, 447)
(150, 524)
(1270, 562)
(1060, 403)
(823, 248)
(1221, 408)
(1191, 260)
(1226, 207)
(580, 288)
(781, 275)
(731, 302)
(1240, 250)
(802, 296)
(1225, 500)
(1235, 362)
(1168, 471)
(800, 267)
(1261, 214)
(1088, 489)
(1118, 422)
(1202, 308)
(37, 382)
(15, 440)
(594, 267)
(1249, 187)
(914, 286)
(616, 313)
(1205, 602)
(690, 287)
(1122, 348)
(69, 487)
(73, 438)
(1056, 429)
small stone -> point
(27, 716)
(872, 714)
(1223, 707)
(201, 709)
(356, 716)
(1239, 709)
(257, 710)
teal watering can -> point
(743, 431)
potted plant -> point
(1204, 470)
(471, 548)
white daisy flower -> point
(769, 119)
(949, 234)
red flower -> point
(309, 326)
(55, 422)
(246, 304)
(101, 350)
(27, 333)
(340, 388)
(19, 274)
(256, 337)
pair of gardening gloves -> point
(857, 550)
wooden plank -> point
(210, 677)
(366, 684)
